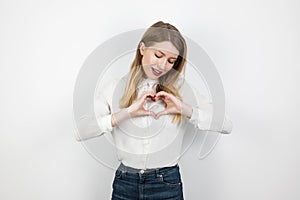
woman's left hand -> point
(173, 105)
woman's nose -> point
(162, 64)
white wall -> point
(254, 44)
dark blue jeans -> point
(156, 184)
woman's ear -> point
(142, 48)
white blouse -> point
(145, 142)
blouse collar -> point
(150, 81)
(147, 83)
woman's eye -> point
(171, 62)
(157, 56)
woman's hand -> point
(137, 109)
(173, 105)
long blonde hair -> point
(158, 32)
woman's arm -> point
(100, 119)
(136, 109)
(96, 121)
(200, 115)
(202, 111)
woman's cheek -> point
(154, 61)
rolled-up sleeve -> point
(98, 120)
(103, 114)
(202, 115)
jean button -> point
(142, 171)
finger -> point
(152, 97)
(152, 114)
(144, 97)
(162, 94)
(148, 94)
(148, 113)
(164, 112)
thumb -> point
(160, 114)
(148, 113)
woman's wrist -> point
(120, 116)
(130, 111)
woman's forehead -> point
(165, 47)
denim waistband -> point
(124, 168)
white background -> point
(254, 44)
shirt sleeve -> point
(98, 120)
(201, 118)
(103, 114)
(202, 115)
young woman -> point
(149, 127)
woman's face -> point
(158, 59)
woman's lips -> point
(156, 72)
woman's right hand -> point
(137, 109)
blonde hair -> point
(158, 32)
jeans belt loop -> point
(157, 173)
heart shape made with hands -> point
(155, 104)
(167, 102)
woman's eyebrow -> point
(165, 54)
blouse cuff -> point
(227, 125)
(104, 123)
(198, 117)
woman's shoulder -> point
(106, 86)
(190, 91)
